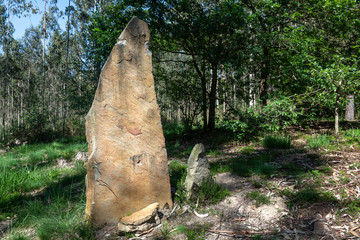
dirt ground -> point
(238, 217)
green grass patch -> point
(177, 171)
(277, 142)
(259, 198)
(307, 196)
(211, 192)
(292, 169)
(319, 141)
(248, 150)
(219, 167)
(254, 165)
(45, 198)
(196, 232)
(352, 207)
(352, 133)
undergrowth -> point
(277, 142)
(39, 195)
(259, 198)
(319, 141)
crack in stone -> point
(104, 184)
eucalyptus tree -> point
(324, 42)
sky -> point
(20, 24)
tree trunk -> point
(204, 103)
(67, 70)
(264, 76)
(212, 97)
(350, 109)
(337, 116)
(3, 134)
(43, 55)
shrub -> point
(243, 124)
(279, 114)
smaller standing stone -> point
(198, 170)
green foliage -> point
(18, 236)
(279, 114)
(177, 171)
(352, 207)
(208, 192)
(196, 232)
(352, 133)
(275, 117)
(307, 196)
(165, 232)
(257, 165)
(211, 192)
(63, 228)
(248, 150)
(219, 167)
(41, 195)
(319, 141)
(243, 124)
(239, 128)
(277, 142)
(259, 198)
(173, 130)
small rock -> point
(81, 156)
(319, 227)
(2, 151)
(141, 220)
(329, 216)
(63, 162)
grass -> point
(208, 192)
(352, 133)
(253, 165)
(211, 192)
(219, 167)
(308, 196)
(39, 196)
(246, 166)
(277, 142)
(196, 232)
(319, 141)
(259, 198)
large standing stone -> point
(198, 170)
(127, 166)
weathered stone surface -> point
(142, 220)
(127, 165)
(198, 169)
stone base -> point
(140, 221)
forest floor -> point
(310, 190)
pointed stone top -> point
(136, 28)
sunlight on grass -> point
(277, 142)
(352, 133)
(259, 198)
(45, 198)
(319, 141)
(258, 165)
